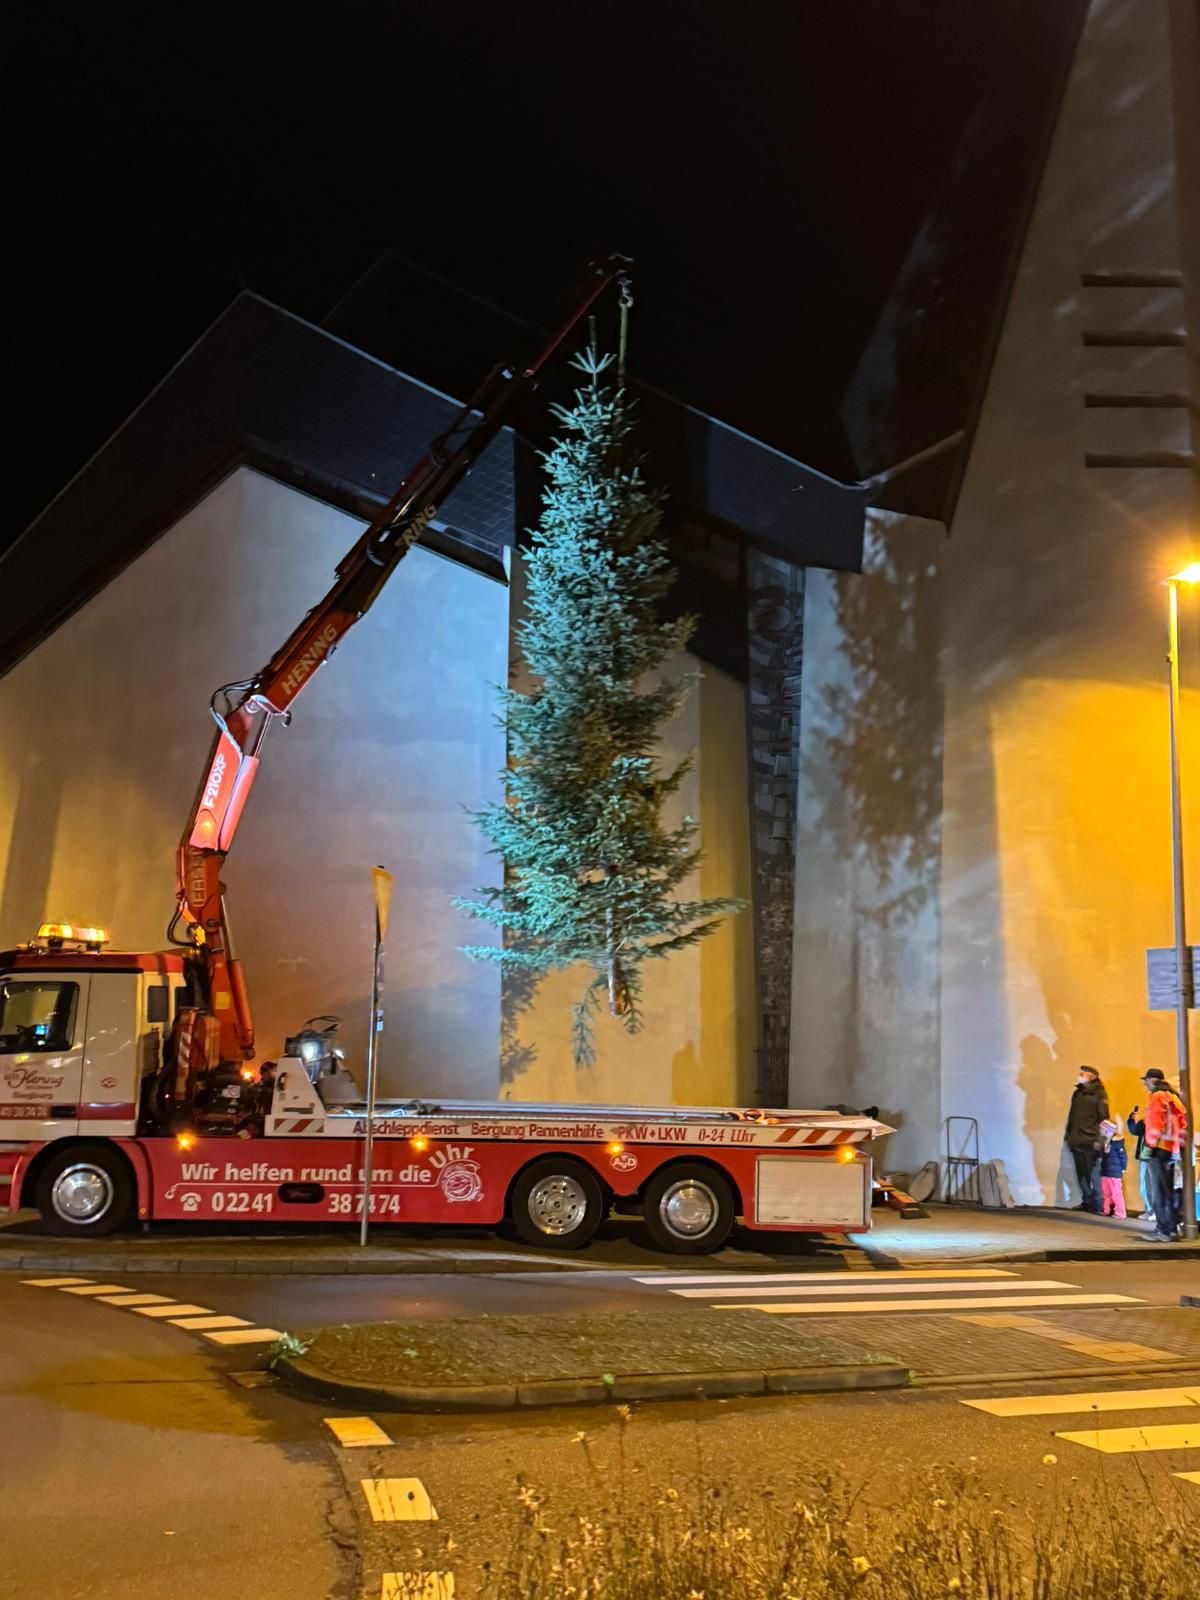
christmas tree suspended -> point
(591, 868)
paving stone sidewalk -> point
(1024, 1233)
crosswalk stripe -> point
(1133, 1441)
(244, 1336)
(1048, 1405)
(1189, 1477)
(398, 1500)
(868, 1288)
(95, 1288)
(171, 1308)
(417, 1586)
(127, 1299)
(890, 1274)
(816, 1308)
(210, 1321)
(50, 1283)
(356, 1433)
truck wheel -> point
(688, 1208)
(557, 1204)
(85, 1190)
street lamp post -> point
(1183, 958)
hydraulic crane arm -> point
(244, 711)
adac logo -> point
(460, 1182)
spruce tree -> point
(591, 868)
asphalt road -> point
(137, 1465)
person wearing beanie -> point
(1089, 1108)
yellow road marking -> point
(868, 1288)
(398, 1500)
(1189, 1477)
(97, 1288)
(51, 1283)
(1047, 1405)
(172, 1308)
(1132, 1441)
(845, 1307)
(136, 1299)
(355, 1433)
(417, 1586)
(890, 1274)
(245, 1336)
(210, 1322)
(1101, 1349)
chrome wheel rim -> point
(557, 1204)
(689, 1209)
(82, 1193)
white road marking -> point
(817, 1308)
(398, 1500)
(171, 1308)
(245, 1336)
(417, 1586)
(356, 1433)
(871, 1288)
(1188, 1477)
(51, 1283)
(97, 1288)
(128, 1299)
(1133, 1441)
(210, 1321)
(1049, 1405)
(892, 1274)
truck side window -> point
(156, 1003)
(37, 1016)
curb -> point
(625, 1387)
(296, 1266)
(969, 1380)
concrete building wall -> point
(1055, 858)
(103, 732)
(865, 994)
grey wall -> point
(104, 730)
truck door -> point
(43, 1021)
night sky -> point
(769, 164)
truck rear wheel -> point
(557, 1204)
(85, 1189)
(688, 1208)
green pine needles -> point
(591, 868)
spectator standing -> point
(1136, 1125)
(1088, 1109)
(1166, 1128)
(1113, 1161)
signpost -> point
(1162, 979)
(382, 882)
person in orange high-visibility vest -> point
(1166, 1128)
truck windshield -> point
(36, 1016)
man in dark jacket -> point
(1089, 1108)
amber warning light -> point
(60, 933)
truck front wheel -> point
(688, 1208)
(86, 1189)
(557, 1204)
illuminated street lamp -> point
(1183, 963)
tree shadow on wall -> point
(517, 1055)
(876, 764)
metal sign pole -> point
(1183, 961)
(382, 883)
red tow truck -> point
(127, 1084)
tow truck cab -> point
(82, 1031)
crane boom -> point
(244, 711)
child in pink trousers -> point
(1112, 1171)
